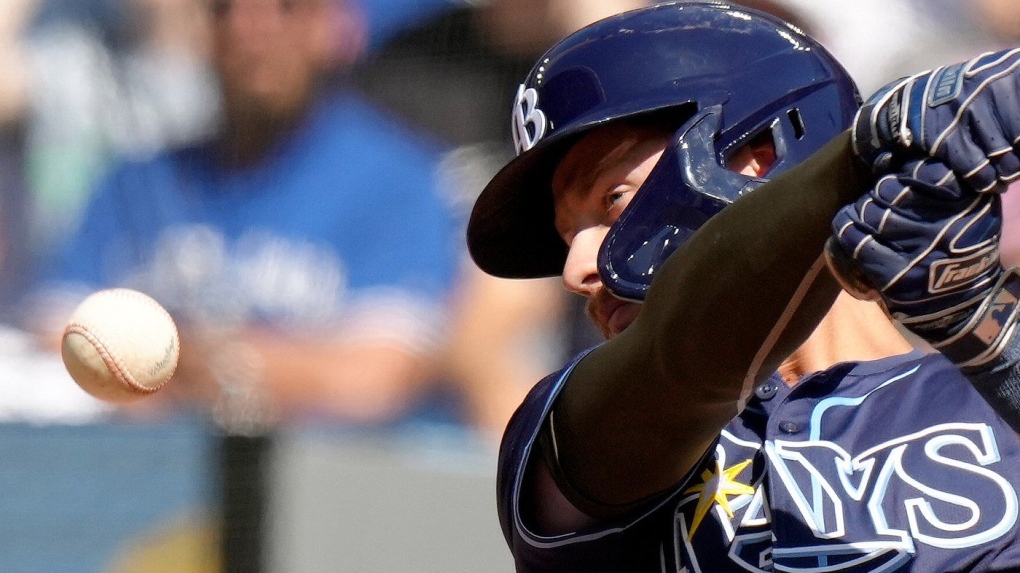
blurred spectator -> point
(304, 250)
(108, 78)
(455, 75)
(14, 89)
(34, 386)
(386, 18)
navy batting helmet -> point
(727, 74)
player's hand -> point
(966, 115)
(930, 250)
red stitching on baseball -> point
(113, 364)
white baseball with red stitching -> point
(120, 345)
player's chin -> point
(611, 315)
(622, 317)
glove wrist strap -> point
(982, 338)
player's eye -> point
(614, 196)
(616, 200)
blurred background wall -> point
(291, 179)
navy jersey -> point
(890, 465)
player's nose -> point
(580, 271)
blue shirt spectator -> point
(305, 251)
(344, 211)
(341, 231)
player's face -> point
(592, 185)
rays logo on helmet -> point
(525, 114)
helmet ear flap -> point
(685, 188)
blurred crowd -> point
(291, 179)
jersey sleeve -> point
(631, 543)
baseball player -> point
(746, 414)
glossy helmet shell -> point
(753, 71)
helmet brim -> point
(511, 232)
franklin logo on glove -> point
(951, 274)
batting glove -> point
(930, 252)
(967, 116)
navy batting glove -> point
(930, 251)
(967, 116)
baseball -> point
(120, 345)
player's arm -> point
(728, 306)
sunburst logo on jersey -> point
(716, 487)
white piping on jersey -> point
(823, 405)
(549, 541)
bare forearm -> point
(293, 376)
(362, 382)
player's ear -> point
(754, 158)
